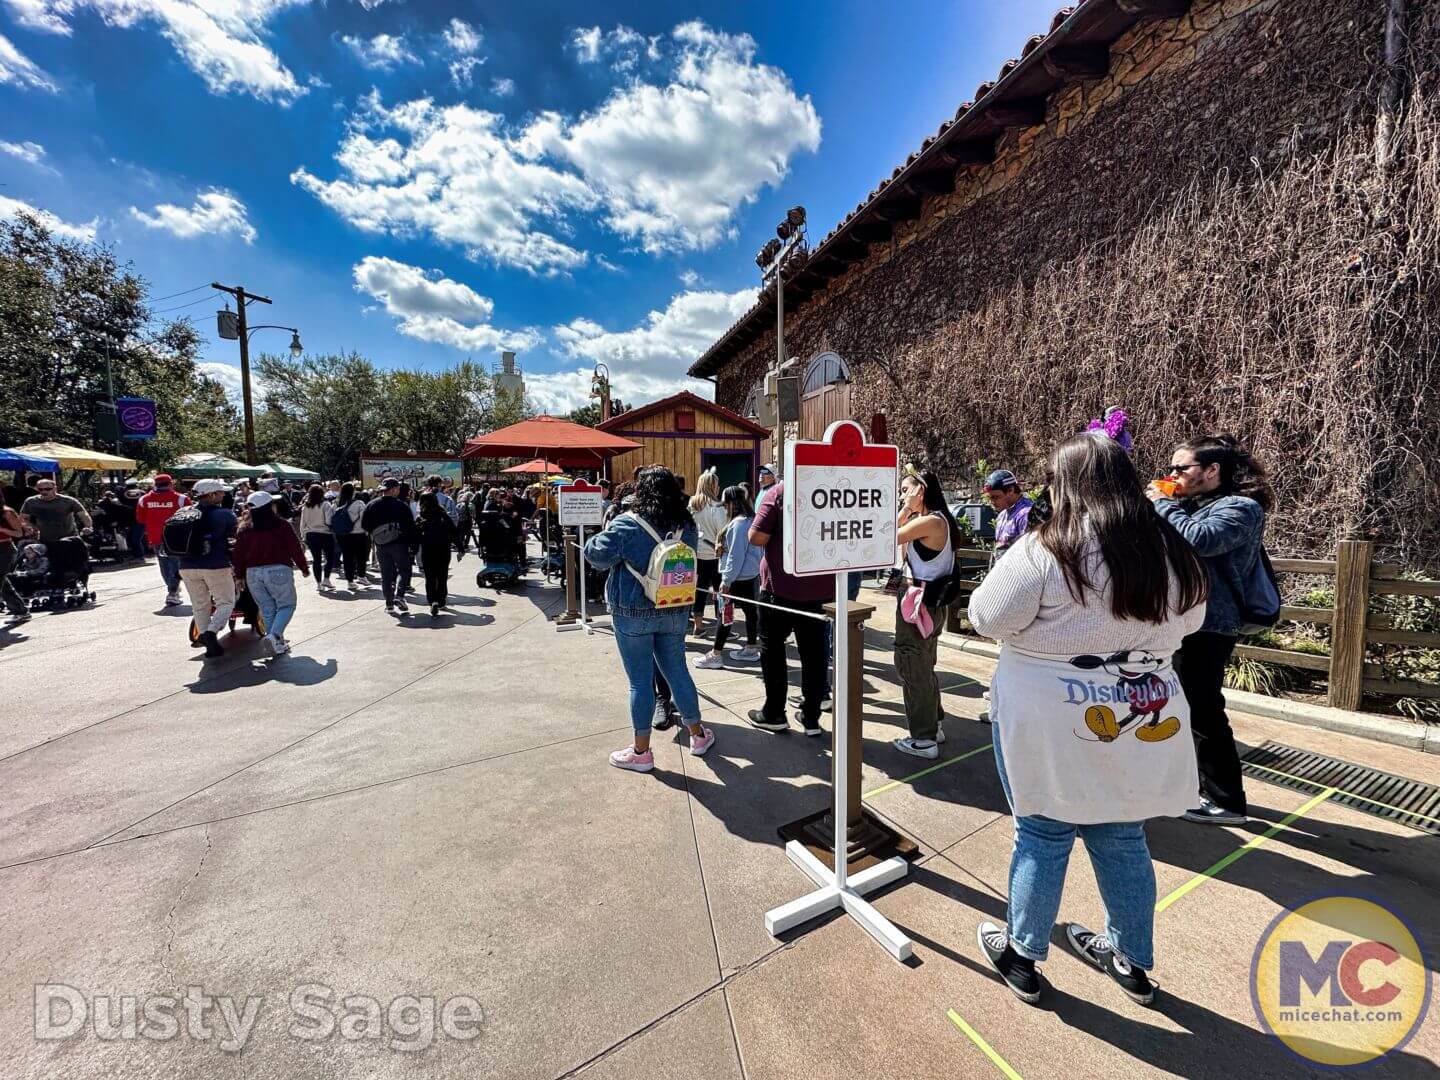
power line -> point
(172, 296)
(192, 303)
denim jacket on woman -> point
(625, 541)
(1226, 532)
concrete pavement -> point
(408, 807)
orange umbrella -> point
(550, 437)
(539, 466)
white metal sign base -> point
(850, 896)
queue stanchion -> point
(569, 617)
(581, 505)
(839, 517)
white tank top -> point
(934, 568)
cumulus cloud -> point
(650, 359)
(17, 69)
(462, 44)
(30, 152)
(502, 87)
(223, 44)
(434, 308)
(11, 208)
(228, 376)
(383, 52)
(214, 213)
(667, 165)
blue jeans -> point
(1121, 859)
(273, 589)
(169, 571)
(647, 645)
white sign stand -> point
(580, 505)
(841, 450)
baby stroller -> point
(54, 575)
(245, 609)
(502, 556)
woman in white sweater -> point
(710, 521)
(1091, 725)
(315, 515)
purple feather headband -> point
(1114, 425)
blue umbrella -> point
(14, 459)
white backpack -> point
(669, 580)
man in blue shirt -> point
(207, 576)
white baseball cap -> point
(208, 487)
(260, 498)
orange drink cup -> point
(1167, 487)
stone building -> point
(1109, 131)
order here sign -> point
(581, 504)
(840, 503)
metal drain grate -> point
(1382, 794)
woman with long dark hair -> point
(315, 518)
(1089, 717)
(739, 570)
(1216, 495)
(929, 535)
(438, 535)
(266, 554)
(649, 638)
(345, 524)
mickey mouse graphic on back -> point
(1138, 686)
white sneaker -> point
(328, 586)
(922, 748)
(746, 656)
(319, 585)
(281, 647)
(710, 661)
(172, 599)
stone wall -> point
(1232, 85)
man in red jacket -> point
(152, 511)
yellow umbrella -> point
(77, 457)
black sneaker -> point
(666, 716)
(389, 605)
(1018, 972)
(211, 641)
(1096, 950)
(759, 720)
(1207, 813)
(402, 607)
(812, 728)
(434, 610)
(826, 705)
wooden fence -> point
(1353, 627)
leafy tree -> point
(69, 314)
(589, 415)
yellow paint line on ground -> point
(1347, 794)
(893, 784)
(1255, 842)
(985, 1048)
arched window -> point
(823, 370)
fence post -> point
(1352, 608)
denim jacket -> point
(1227, 534)
(624, 540)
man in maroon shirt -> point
(799, 595)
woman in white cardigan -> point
(1091, 725)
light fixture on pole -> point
(787, 249)
(232, 326)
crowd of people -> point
(1117, 604)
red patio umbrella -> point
(553, 439)
(539, 466)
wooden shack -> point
(688, 435)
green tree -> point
(589, 415)
(321, 412)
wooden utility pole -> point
(241, 299)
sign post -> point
(840, 509)
(581, 505)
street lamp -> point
(600, 388)
(231, 325)
(787, 247)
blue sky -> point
(424, 181)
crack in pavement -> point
(170, 915)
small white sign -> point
(840, 503)
(581, 504)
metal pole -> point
(779, 365)
(840, 736)
(580, 566)
(245, 378)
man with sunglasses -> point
(55, 516)
(1012, 509)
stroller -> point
(502, 555)
(54, 575)
(246, 610)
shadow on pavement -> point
(421, 619)
(292, 669)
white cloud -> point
(10, 208)
(460, 177)
(30, 152)
(669, 165)
(228, 376)
(436, 309)
(222, 43)
(214, 213)
(649, 360)
(689, 278)
(383, 52)
(502, 87)
(462, 43)
(586, 44)
(622, 46)
(18, 69)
